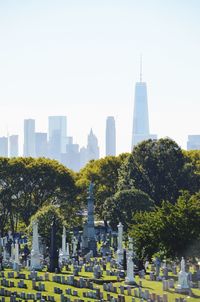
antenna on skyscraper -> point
(140, 67)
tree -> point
(26, 184)
(104, 174)
(193, 169)
(45, 217)
(171, 229)
(157, 168)
(122, 206)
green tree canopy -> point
(171, 229)
(45, 217)
(26, 184)
(122, 206)
(157, 168)
(104, 174)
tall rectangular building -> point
(110, 136)
(13, 145)
(4, 146)
(29, 138)
(71, 159)
(92, 147)
(57, 136)
(41, 144)
(140, 131)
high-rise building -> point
(4, 146)
(29, 138)
(110, 136)
(83, 157)
(13, 145)
(71, 159)
(140, 129)
(193, 142)
(57, 136)
(92, 147)
(41, 144)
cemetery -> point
(64, 237)
(91, 269)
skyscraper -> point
(13, 145)
(110, 136)
(29, 138)
(140, 129)
(57, 136)
(4, 146)
(41, 144)
(83, 157)
(71, 159)
(92, 147)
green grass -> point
(152, 286)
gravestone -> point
(183, 286)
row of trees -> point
(127, 186)
(27, 184)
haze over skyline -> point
(80, 58)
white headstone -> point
(183, 277)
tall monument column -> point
(120, 243)
(92, 245)
(35, 253)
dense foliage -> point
(172, 230)
(143, 190)
(160, 169)
(45, 217)
(26, 184)
(121, 206)
(104, 174)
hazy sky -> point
(80, 58)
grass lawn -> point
(152, 286)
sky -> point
(81, 58)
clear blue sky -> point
(80, 58)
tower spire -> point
(140, 68)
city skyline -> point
(81, 60)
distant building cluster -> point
(57, 145)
